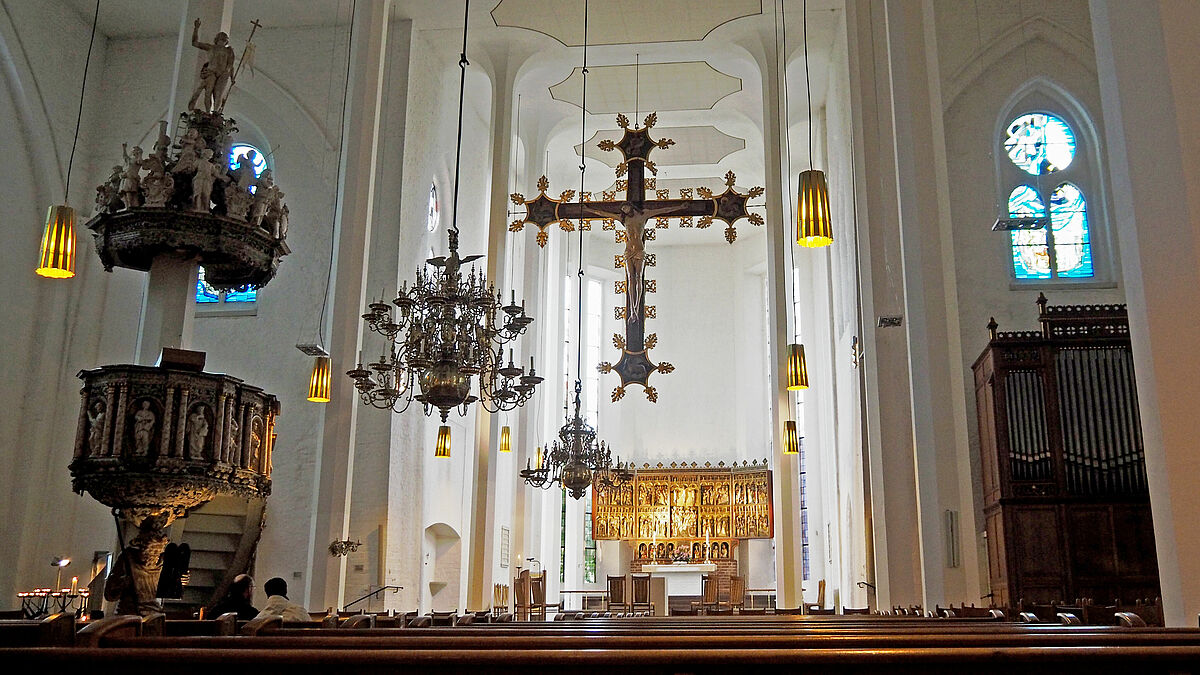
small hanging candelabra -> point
(451, 327)
(576, 459)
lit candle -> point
(707, 553)
(74, 585)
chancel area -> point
(514, 334)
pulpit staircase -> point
(223, 536)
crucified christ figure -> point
(634, 219)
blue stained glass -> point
(1072, 242)
(240, 150)
(204, 292)
(1031, 256)
(247, 294)
(1039, 143)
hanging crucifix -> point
(634, 213)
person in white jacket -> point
(278, 603)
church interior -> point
(731, 327)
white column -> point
(169, 290)
(168, 307)
(335, 458)
(1150, 90)
(789, 569)
(890, 461)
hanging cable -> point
(582, 168)
(82, 88)
(807, 81)
(781, 61)
(462, 88)
(337, 185)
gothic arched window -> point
(1042, 148)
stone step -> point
(209, 541)
(207, 522)
(210, 560)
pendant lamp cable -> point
(462, 88)
(82, 88)
(807, 81)
(337, 185)
(582, 169)
(781, 59)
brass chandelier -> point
(575, 459)
(451, 327)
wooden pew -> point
(701, 645)
(980, 661)
(51, 631)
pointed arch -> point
(1042, 106)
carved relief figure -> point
(197, 432)
(134, 579)
(189, 152)
(159, 185)
(255, 443)
(262, 198)
(96, 430)
(235, 442)
(163, 143)
(143, 429)
(215, 74)
(208, 173)
(108, 193)
(131, 176)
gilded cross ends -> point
(542, 211)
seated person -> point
(237, 599)
(278, 603)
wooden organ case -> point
(1065, 499)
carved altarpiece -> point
(684, 505)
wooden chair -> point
(521, 596)
(617, 600)
(537, 596)
(640, 601)
(737, 593)
(710, 587)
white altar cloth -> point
(681, 579)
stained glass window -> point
(1041, 144)
(206, 294)
(1069, 227)
(589, 546)
(241, 151)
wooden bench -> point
(860, 643)
(54, 630)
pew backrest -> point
(121, 625)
